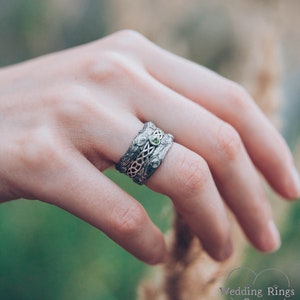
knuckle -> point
(37, 149)
(125, 40)
(128, 39)
(192, 175)
(229, 143)
(128, 221)
(238, 97)
(111, 67)
(72, 103)
(130, 42)
(129, 35)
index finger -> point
(231, 103)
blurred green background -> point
(46, 253)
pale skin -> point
(68, 116)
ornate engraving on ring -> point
(136, 147)
(143, 134)
(155, 162)
(137, 165)
(150, 166)
(156, 137)
(145, 154)
(164, 146)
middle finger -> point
(220, 145)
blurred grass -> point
(47, 253)
(286, 260)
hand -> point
(68, 116)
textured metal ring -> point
(136, 147)
(145, 153)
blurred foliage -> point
(30, 28)
(47, 253)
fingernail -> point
(274, 240)
(227, 252)
(165, 259)
(161, 259)
(296, 183)
(223, 253)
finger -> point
(232, 104)
(221, 147)
(186, 178)
(87, 193)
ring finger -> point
(221, 147)
(185, 177)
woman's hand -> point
(66, 117)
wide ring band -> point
(145, 154)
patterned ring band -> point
(145, 154)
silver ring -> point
(145, 154)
